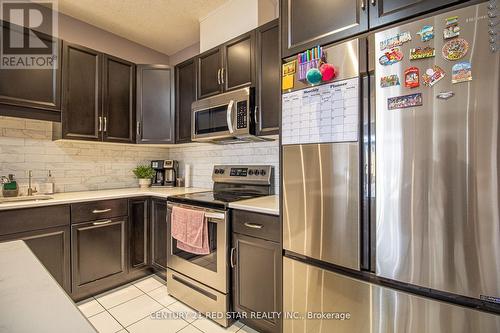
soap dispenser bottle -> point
(48, 186)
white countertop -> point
(30, 299)
(268, 205)
(70, 197)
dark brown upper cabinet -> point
(209, 73)
(185, 95)
(118, 100)
(268, 78)
(99, 96)
(308, 23)
(32, 93)
(238, 70)
(155, 105)
(82, 107)
(389, 11)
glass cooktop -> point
(218, 198)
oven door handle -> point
(229, 116)
(217, 216)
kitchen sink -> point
(25, 198)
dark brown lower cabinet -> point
(257, 280)
(138, 233)
(52, 247)
(99, 255)
(159, 236)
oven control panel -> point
(242, 173)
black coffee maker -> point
(165, 172)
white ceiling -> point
(167, 26)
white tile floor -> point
(129, 308)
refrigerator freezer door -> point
(321, 202)
(437, 165)
(309, 290)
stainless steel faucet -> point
(30, 189)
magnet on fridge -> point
(412, 77)
(461, 72)
(445, 95)
(406, 101)
(396, 40)
(451, 29)
(421, 53)
(426, 33)
(287, 82)
(389, 81)
(455, 49)
(391, 57)
(432, 75)
(289, 68)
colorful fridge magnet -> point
(432, 75)
(444, 95)
(287, 82)
(406, 101)
(426, 33)
(313, 76)
(421, 53)
(412, 77)
(451, 29)
(391, 57)
(461, 72)
(289, 68)
(455, 49)
(389, 81)
(327, 72)
(394, 41)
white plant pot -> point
(144, 182)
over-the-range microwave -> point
(225, 118)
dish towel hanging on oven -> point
(190, 229)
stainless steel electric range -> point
(202, 281)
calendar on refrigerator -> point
(321, 114)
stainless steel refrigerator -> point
(399, 223)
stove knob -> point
(250, 172)
(256, 172)
(221, 171)
(263, 172)
(216, 171)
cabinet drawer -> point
(29, 219)
(257, 225)
(96, 210)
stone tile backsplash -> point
(80, 166)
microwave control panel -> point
(241, 115)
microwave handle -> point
(229, 116)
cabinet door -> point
(155, 109)
(99, 253)
(389, 11)
(306, 23)
(257, 280)
(268, 79)
(52, 247)
(81, 115)
(32, 93)
(239, 62)
(185, 92)
(138, 233)
(209, 73)
(118, 100)
(159, 235)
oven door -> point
(211, 269)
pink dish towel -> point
(190, 229)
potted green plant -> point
(144, 173)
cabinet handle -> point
(138, 128)
(255, 115)
(253, 225)
(222, 75)
(100, 124)
(105, 124)
(99, 211)
(231, 257)
(102, 222)
(363, 6)
(218, 76)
